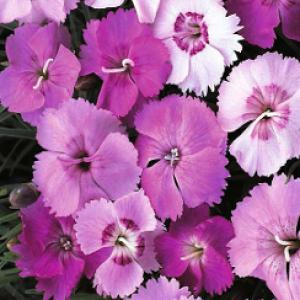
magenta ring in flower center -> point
(190, 32)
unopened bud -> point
(23, 195)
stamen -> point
(124, 241)
(46, 65)
(38, 83)
(286, 253)
(173, 156)
(282, 242)
(126, 63)
(44, 73)
(268, 114)
(198, 251)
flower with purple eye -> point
(179, 141)
(42, 72)
(48, 250)
(259, 18)
(123, 232)
(127, 57)
(86, 153)
(201, 39)
(258, 94)
(163, 289)
(267, 238)
(194, 251)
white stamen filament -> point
(44, 71)
(190, 256)
(174, 156)
(268, 114)
(126, 243)
(286, 253)
(282, 242)
(288, 245)
(127, 62)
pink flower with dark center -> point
(36, 11)
(48, 250)
(130, 61)
(42, 72)
(163, 289)
(260, 17)
(123, 233)
(85, 154)
(146, 10)
(179, 141)
(267, 241)
(194, 251)
(202, 40)
(258, 94)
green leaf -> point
(17, 133)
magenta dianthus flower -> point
(194, 251)
(258, 93)
(163, 289)
(123, 232)
(259, 18)
(181, 150)
(42, 72)
(202, 40)
(86, 157)
(267, 239)
(48, 250)
(127, 57)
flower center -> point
(173, 156)
(190, 32)
(290, 247)
(125, 239)
(127, 63)
(43, 74)
(65, 243)
(83, 165)
(194, 251)
(267, 105)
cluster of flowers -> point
(103, 199)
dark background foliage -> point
(18, 148)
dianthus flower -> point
(123, 232)
(86, 157)
(259, 18)
(163, 289)
(181, 150)
(42, 72)
(267, 239)
(127, 57)
(48, 250)
(146, 10)
(201, 39)
(37, 11)
(258, 94)
(194, 251)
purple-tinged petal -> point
(159, 185)
(107, 278)
(136, 207)
(91, 222)
(169, 253)
(217, 274)
(116, 162)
